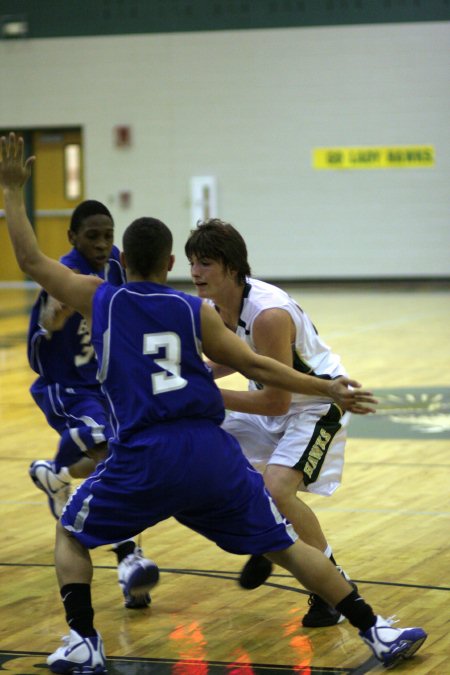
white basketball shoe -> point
(57, 489)
(79, 655)
(392, 645)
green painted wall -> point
(63, 18)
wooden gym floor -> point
(388, 523)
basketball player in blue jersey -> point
(67, 390)
(169, 455)
(297, 441)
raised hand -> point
(14, 171)
(349, 396)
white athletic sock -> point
(119, 543)
(328, 551)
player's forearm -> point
(218, 370)
(272, 373)
(20, 230)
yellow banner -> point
(394, 157)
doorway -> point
(56, 187)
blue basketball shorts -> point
(189, 469)
(79, 415)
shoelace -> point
(65, 639)
(314, 599)
(392, 619)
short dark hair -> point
(90, 207)
(218, 240)
(147, 245)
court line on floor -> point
(230, 575)
(161, 666)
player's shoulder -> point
(104, 288)
(115, 253)
(262, 294)
(76, 261)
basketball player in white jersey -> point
(298, 441)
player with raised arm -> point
(67, 390)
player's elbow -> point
(25, 263)
(27, 260)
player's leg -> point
(81, 419)
(283, 484)
(390, 645)
(313, 447)
(83, 648)
(239, 516)
(95, 526)
(302, 455)
(314, 571)
(257, 444)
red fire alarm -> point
(125, 199)
(122, 136)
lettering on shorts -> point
(314, 456)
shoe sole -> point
(141, 602)
(406, 654)
(78, 670)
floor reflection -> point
(20, 663)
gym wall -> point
(286, 108)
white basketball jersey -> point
(311, 355)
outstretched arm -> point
(72, 289)
(223, 346)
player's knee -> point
(282, 483)
(279, 494)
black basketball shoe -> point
(255, 572)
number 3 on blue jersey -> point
(170, 379)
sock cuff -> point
(74, 588)
(328, 551)
(351, 597)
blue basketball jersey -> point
(147, 338)
(67, 355)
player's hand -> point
(54, 315)
(14, 171)
(348, 395)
